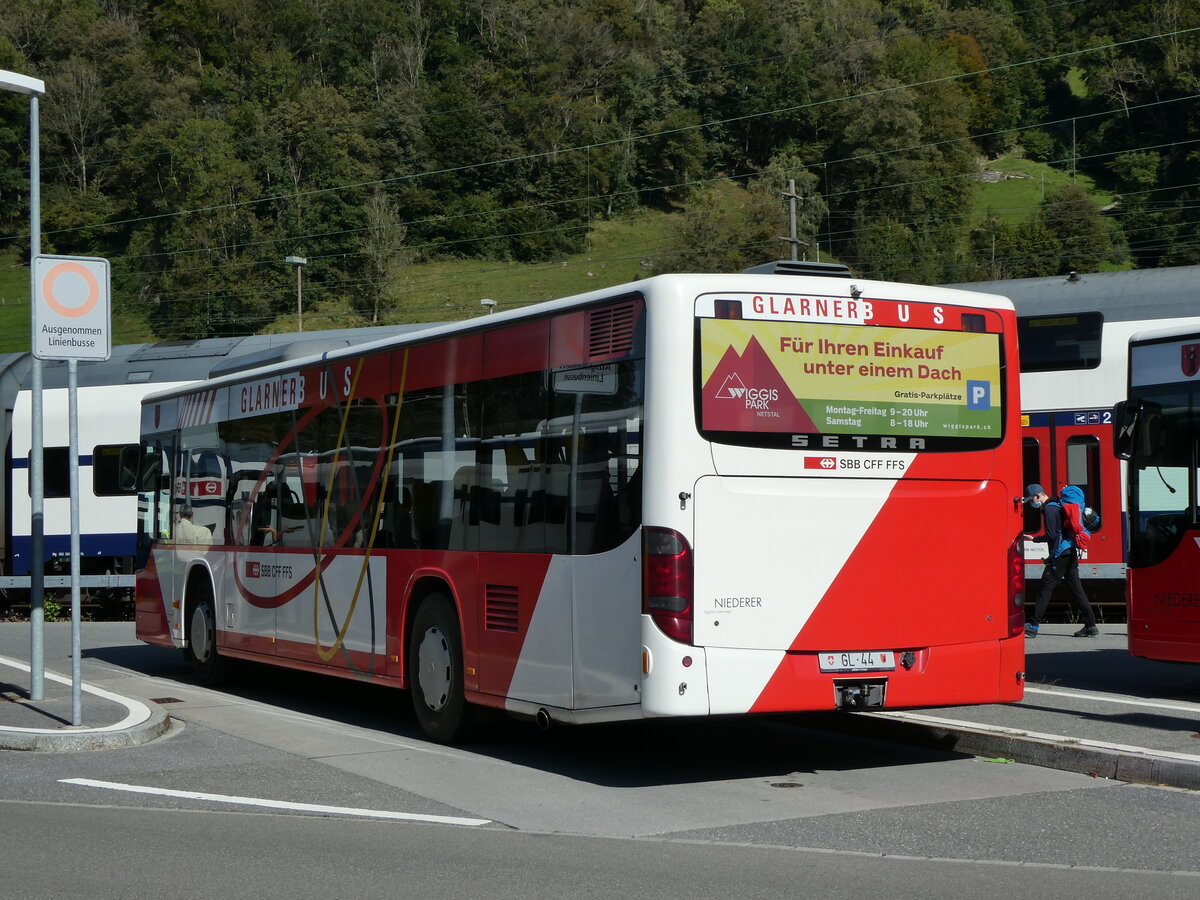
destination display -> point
(819, 378)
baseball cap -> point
(1032, 490)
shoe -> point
(1030, 630)
(1088, 631)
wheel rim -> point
(434, 666)
(202, 633)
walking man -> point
(1062, 563)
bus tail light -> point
(1016, 588)
(667, 582)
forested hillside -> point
(197, 143)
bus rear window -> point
(793, 384)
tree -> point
(723, 228)
(674, 154)
(1072, 217)
(999, 251)
(383, 242)
(196, 259)
(77, 115)
(897, 177)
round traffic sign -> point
(71, 289)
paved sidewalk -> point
(108, 720)
(1089, 707)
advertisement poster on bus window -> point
(821, 378)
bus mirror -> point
(127, 467)
(1137, 429)
(1125, 420)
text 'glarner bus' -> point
(694, 495)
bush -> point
(1039, 146)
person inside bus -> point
(188, 532)
(1062, 563)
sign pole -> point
(72, 320)
(34, 88)
(73, 450)
(37, 481)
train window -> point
(106, 470)
(1083, 466)
(1031, 474)
(56, 472)
(1059, 343)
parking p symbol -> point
(979, 395)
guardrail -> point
(64, 581)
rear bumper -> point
(1168, 641)
(991, 671)
(680, 680)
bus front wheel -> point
(435, 672)
(207, 665)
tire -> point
(208, 666)
(435, 672)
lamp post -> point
(34, 88)
(490, 305)
(299, 262)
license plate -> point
(857, 661)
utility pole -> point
(299, 262)
(1072, 151)
(792, 240)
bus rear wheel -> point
(435, 672)
(207, 665)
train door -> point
(1070, 448)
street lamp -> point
(489, 304)
(299, 262)
(34, 88)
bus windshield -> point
(1162, 501)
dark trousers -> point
(1062, 569)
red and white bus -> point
(1158, 432)
(691, 495)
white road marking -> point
(937, 721)
(1179, 706)
(276, 804)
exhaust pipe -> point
(543, 719)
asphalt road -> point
(704, 808)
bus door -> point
(249, 600)
(1071, 448)
(158, 613)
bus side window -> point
(396, 523)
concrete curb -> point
(143, 722)
(1118, 762)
